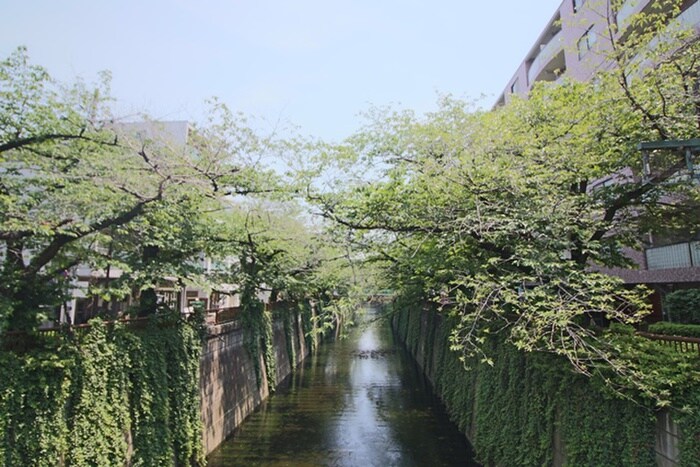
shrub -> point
(683, 306)
(675, 329)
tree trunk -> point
(148, 300)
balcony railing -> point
(223, 315)
(629, 8)
(691, 16)
(547, 53)
(688, 17)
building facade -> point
(576, 41)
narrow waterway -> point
(360, 401)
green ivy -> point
(269, 355)
(513, 410)
(183, 373)
(257, 326)
(675, 329)
(35, 391)
(688, 419)
(289, 320)
(106, 396)
(308, 324)
(98, 428)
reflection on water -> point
(359, 402)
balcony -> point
(628, 9)
(551, 71)
(551, 54)
(85, 272)
(689, 16)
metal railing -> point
(27, 339)
(23, 340)
(233, 313)
(629, 8)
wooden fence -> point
(229, 314)
(223, 315)
(679, 343)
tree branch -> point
(22, 142)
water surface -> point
(360, 401)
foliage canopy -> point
(511, 218)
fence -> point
(19, 340)
(229, 314)
(24, 340)
(223, 315)
(679, 343)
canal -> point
(361, 401)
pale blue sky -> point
(315, 63)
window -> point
(514, 87)
(586, 42)
(679, 255)
(578, 4)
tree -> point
(500, 214)
(75, 187)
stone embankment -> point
(229, 383)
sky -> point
(316, 64)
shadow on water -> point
(360, 401)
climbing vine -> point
(305, 309)
(34, 391)
(99, 376)
(528, 408)
(289, 319)
(269, 354)
(258, 332)
(688, 418)
(111, 395)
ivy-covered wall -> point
(166, 393)
(105, 396)
(531, 409)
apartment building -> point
(575, 43)
(576, 40)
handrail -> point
(17, 340)
(627, 9)
(77, 327)
(232, 313)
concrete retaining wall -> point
(667, 440)
(229, 390)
